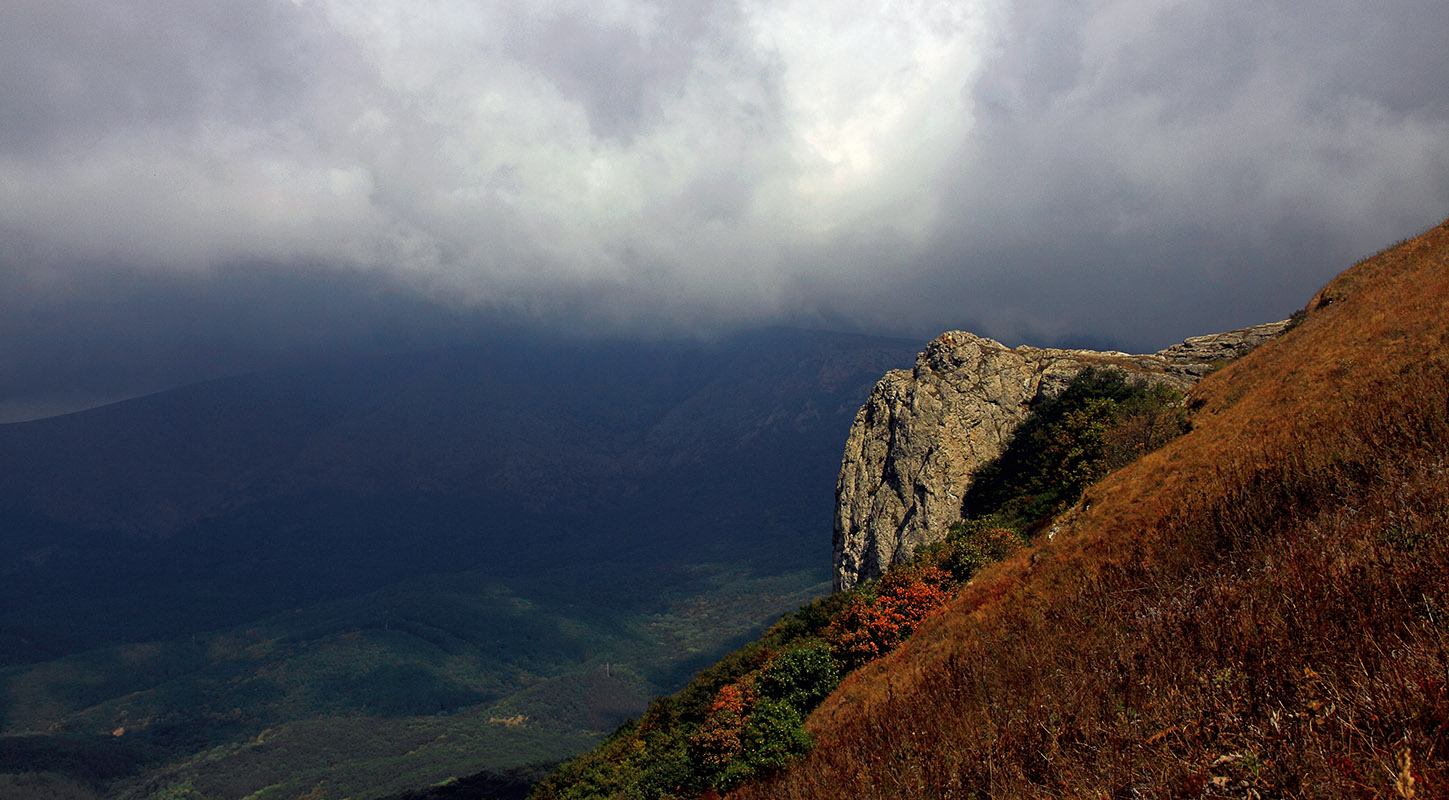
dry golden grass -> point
(1260, 609)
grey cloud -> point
(193, 188)
(620, 74)
(1211, 162)
(77, 72)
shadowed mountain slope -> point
(379, 574)
(546, 422)
(251, 494)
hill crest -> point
(922, 433)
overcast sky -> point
(190, 187)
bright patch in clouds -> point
(876, 95)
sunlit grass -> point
(1260, 609)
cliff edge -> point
(922, 432)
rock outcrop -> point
(922, 433)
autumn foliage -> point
(744, 719)
(720, 736)
(869, 626)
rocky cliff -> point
(922, 433)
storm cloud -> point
(188, 188)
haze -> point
(194, 188)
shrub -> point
(1145, 421)
(801, 676)
(871, 625)
(720, 737)
(774, 735)
(1100, 422)
(969, 546)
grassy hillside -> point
(1254, 608)
(1259, 609)
(744, 717)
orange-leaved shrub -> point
(872, 624)
(718, 739)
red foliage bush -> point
(719, 737)
(869, 627)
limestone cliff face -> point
(923, 432)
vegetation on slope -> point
(1260, 609)
(1101, 422)
(744, 718)
(397, 689)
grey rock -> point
(923, 432)
(1199, 354)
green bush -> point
(969, 546)
(666, 770)
(1100, 422)
(774, 735)
(801, 677)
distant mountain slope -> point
(379, 574)
(595, 417)
(297, 485)
(1256, 610)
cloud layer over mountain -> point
(203, 185)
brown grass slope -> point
(1260, 609)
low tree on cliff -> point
(1102, 421)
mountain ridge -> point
(255, 494)
(400, 420)
(917, 440)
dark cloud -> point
(623, 71)
(80, 72)
(1161, 169)
(100, 334)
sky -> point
(190, 188)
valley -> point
(395, 572)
